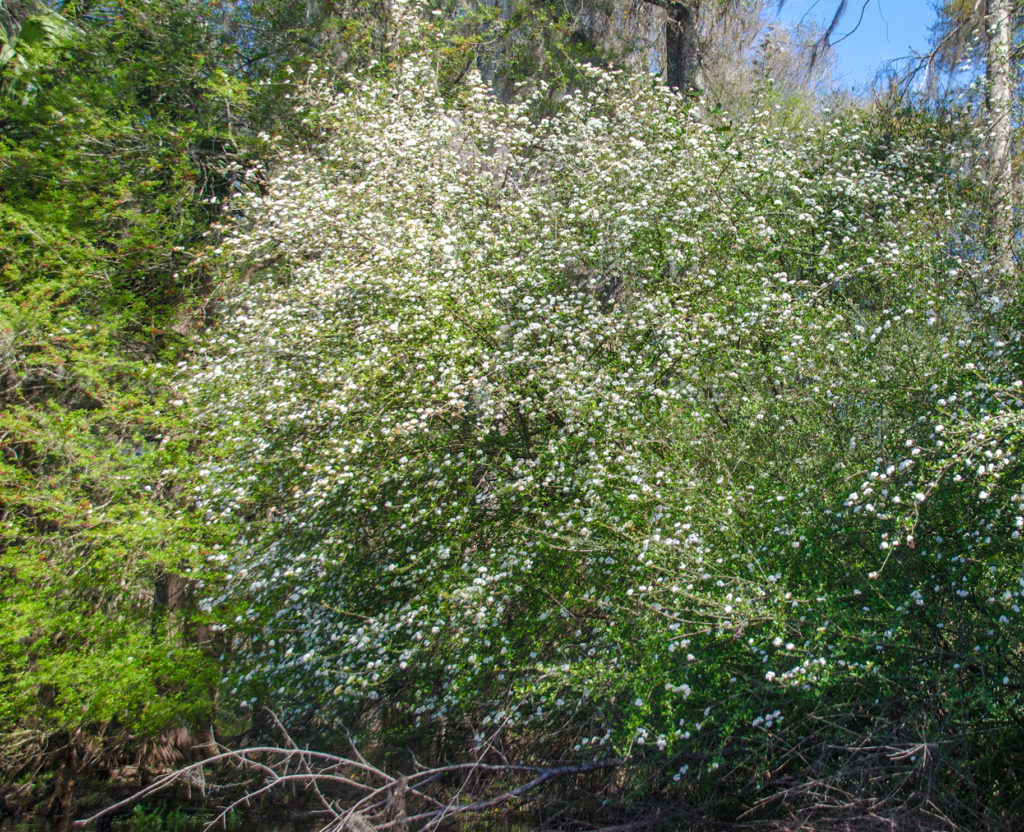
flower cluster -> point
(552, 421)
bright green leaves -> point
(107, 193)
(29, 49)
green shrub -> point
(598, 431)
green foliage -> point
(160, 820)
(589, 424)
(126, 130)
(37, 38)
(107, 177)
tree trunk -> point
(174, 593)
(998, 91)
(682, 46)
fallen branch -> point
(357, 796)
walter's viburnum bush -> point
(600, 429)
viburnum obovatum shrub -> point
(617, 430)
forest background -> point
(441, 380)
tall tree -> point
(682, 43)
(998, 106)
(690, 35)
(982, 30)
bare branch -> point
(358, 795)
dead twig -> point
(356, 794)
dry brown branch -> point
(357, 796)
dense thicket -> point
(637, 430)
(599, 422)
(127, 131)
(116, 149)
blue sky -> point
(889, 29)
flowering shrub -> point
(599, 428)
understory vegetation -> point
(548, 420)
